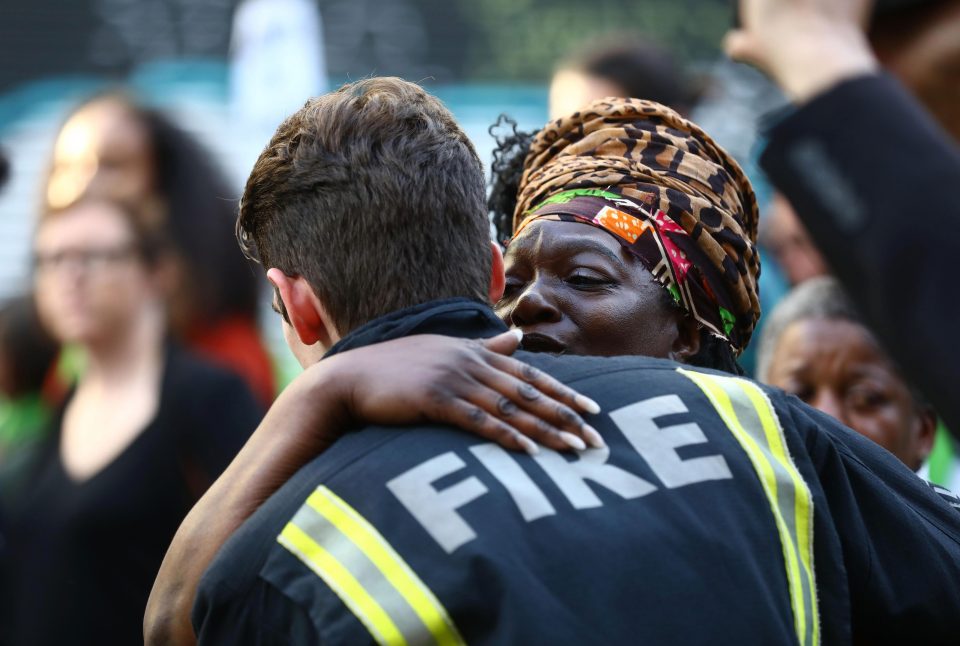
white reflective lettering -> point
(533, 504)
(437, 510)
(658, 445)
(571, 476)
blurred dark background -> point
(448, 40)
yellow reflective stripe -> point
(721, 402)
(365, 537)
(803, 499)
(354, 596)
(797, 545)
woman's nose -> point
(534, 306)
(829, 403)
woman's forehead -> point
(553, 236)
(834, 341)
(84, 222)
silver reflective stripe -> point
(370, 577)
(340, 547)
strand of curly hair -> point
(506, 169)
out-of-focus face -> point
(791, 245)
(573, 288)
(90, 279)
(921, 47)
(102, 151)
(837, 367)
(570, 90)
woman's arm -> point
(470, 384)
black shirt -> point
(722, 512)
(84, 555)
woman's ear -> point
(687, 342)
(498, 280)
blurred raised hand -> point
(805, 46)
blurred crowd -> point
(135, 368)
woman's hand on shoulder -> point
(471, 384)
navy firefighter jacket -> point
(721, 512)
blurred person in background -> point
(145, 430)
(621, 65)
(918, 42)
(870, 172)
(784, 236)
(111, 147)
(816, 347)
(27, 354)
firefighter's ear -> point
(498, 280)
(303, 311)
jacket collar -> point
(459, 317)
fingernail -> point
(517, 332)
(593, 437)
(587, 405)
(573, 441)
(528, 445)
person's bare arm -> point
(805, 46)
(472, 385)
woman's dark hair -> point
(506, 169)
(641, 69)
(200, 215)
(26, 348)
(201, 218)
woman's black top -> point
(83, 555)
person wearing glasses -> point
(143, 432)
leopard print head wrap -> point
(666, 191)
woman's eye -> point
(866, 398)
(511, 288)
(586, 280)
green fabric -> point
(566, 196)
(676, 294)
(22, 420)
(941, 457)
(71, 363)
(23, 425)
(729, 320)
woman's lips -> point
(536, 342)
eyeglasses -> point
(90, 260)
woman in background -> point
(622, 65)
(816, 347)
(146, 429)
(112, 148)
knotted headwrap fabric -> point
(666, 191)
